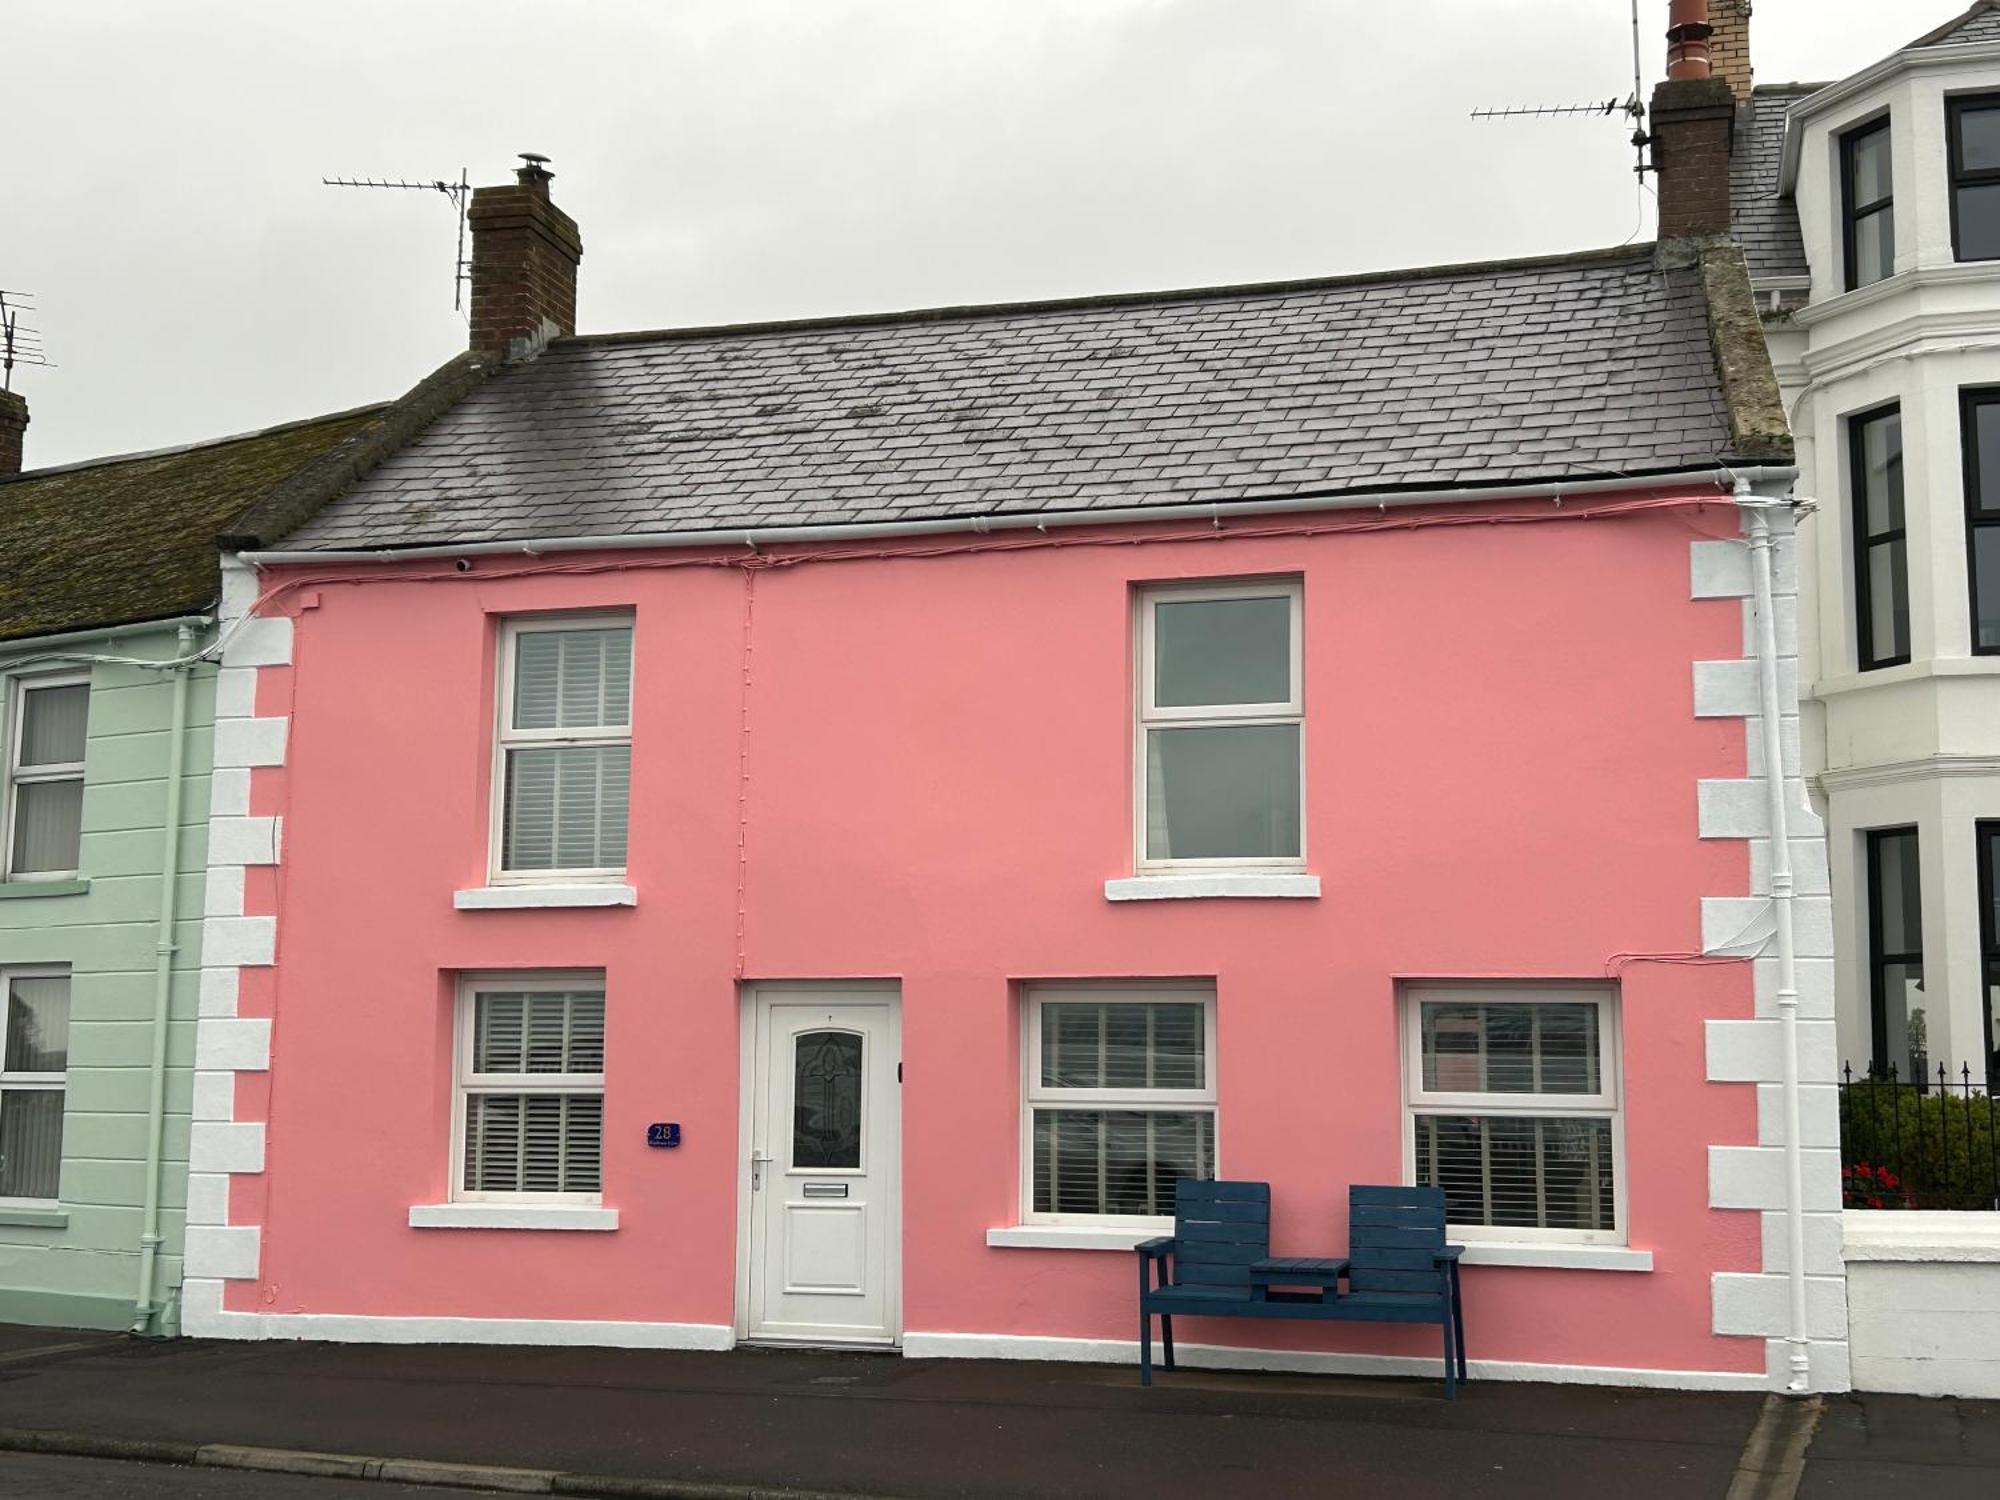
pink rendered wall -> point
(1502, 761)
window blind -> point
(534, 1092)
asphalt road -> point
(31, 1476)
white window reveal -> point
(1221, 720)
(1514, 1110)
(563, 785)
(34, 1057)
(47, 727)
(1120, 1101)
(530, 1096)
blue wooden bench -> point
(1218, 1264)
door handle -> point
(758, 1161)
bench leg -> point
(1450, 1355)
(1458, 1322)
(1145, 1347)
(1167, 1337)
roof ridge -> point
(975, 310)
(106, 460)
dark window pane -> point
(1118, 1161)
(1208, 651)
(1529, 1173)
(1870, 172)
(1985, 437)
(1522, 1048)
(1899, 890)
(1881, 476)
(1908, 1021)
(826, 1101)
(1986, 584)
(37, 1039)
(1123, 1046)
(1979, 221)
(30, 1142)
(1874, 246)
(1888, 602)
(1978, 139)
(1229, 792)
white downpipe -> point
(1761, 571)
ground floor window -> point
(1514, 1109)
(1898, 1014)
(1120, 1100)
(34, 1022)
(530, 1093)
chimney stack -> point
(13, 428)
(1693, 121)
(524, 257)
(1729, 45)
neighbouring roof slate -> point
(1765, 224)
(1979, 24)
(1586, 365)
(124, 540)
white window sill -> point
(517, 897)
(1212, 884)
(1557, 1257)
(1071, 1237)
(512, 1216)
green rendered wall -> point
(82, 1270)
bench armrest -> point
(1450, 1253)
(1157, 1249)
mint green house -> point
(109, 577)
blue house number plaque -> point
(663, 1135)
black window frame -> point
(1984, 832)
(1879, 962)
(1866, 541)
(1958, 176)
(1970, 400)
(1852, 213)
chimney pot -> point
(1688, 32)
(13, 428)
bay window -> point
(1868, 206)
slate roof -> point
(124, 540)
(1979, 24)
(1765, 224)
(1584, 365)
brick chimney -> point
(524, 257)
(13, 428)
(1729, 45)
(1693, 121)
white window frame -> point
(465, 1081)
(507, 738)
(1166, 1101)
(18, 775)
(30, 1082)
(1151, 715)
(1606, 1104)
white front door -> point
(824, 1165)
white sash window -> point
(48, 721)
(529, 1121)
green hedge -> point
(1901, 1147)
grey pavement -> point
(879, 1425)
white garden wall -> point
(1923, 1302)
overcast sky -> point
(746, 159)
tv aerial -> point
(19, 344)
(1632, 106)
(459, 194)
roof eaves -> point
(329, 474)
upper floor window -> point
(1221, 716)
(563, 784)
(1868, 217)
(1979, 432)
(1881, 554)
(1974, 127)
(49, 719)
(34, 1061)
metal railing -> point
(1923, 1143)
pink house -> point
(805, 832)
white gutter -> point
(146, 1308)
(1216, 511)
(1761, 570)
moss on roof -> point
(124, 540)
